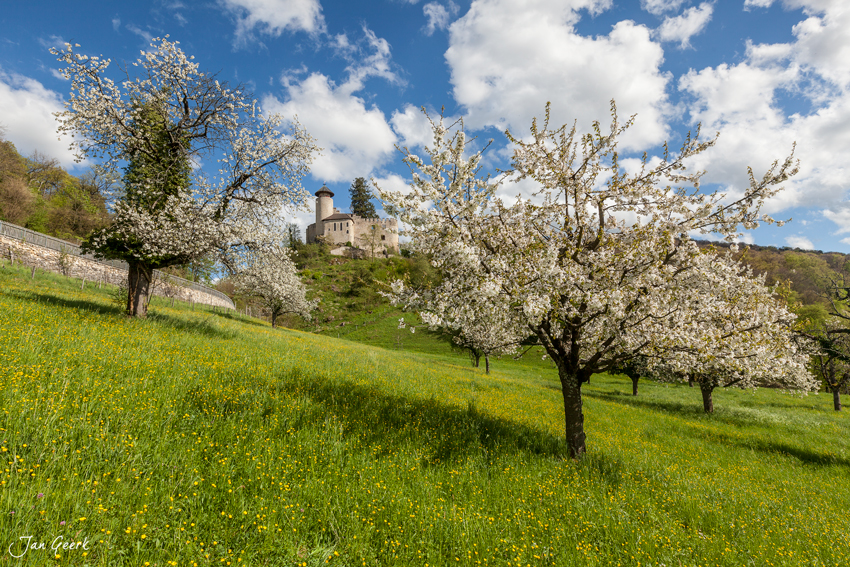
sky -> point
(763, 73)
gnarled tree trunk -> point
(487, 363)
(836, 398)
(634, 385)
(707, 402)
(573, 415)
(139, 280)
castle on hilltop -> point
(344, 229)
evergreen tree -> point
(361, 204)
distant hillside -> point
(35, 192)
(807, 270)
(351, 304)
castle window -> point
(383, 237)
(334, 226)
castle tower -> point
(324, 206)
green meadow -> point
(198, 437)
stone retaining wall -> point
(72, 265)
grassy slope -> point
(205, 437)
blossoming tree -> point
(164, 114)
(596, 265)
(737, 332)
(267, 272)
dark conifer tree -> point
(361, 195)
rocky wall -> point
(79, 267)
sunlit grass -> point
(209, 438)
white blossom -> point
(565, 268)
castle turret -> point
(324, 206)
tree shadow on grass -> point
(727, 416)
(79, 304)
(446, 433)
(231, 315)
(202, 327)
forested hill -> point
(35, 192)
(807, 270)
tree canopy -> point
(597, 264)
(162, 124)
(361, 199)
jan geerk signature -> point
(25, 544)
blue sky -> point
(764, 73)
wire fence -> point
(52, 243)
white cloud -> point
(394, 183)
(370, 58)
(682, 28)
(658, 7)
(438, 16)
(356, 139)
(273, 17)
(744, 102)
(413, 127)
(841, 217)
(116, 23)
(505, 79)
(28, 109)
(822, 40)
(800, 242)
(757, 4)
(52, 41)
(144, 34)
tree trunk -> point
(707, 402)
(690, 382)
(836, 398)
(475, 358)
(487, 363)
(139, 283)
(634, 385)
(573, 415)
(274, 320)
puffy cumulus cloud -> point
(750, 4)
(800, 242)
(507, 59)
(356, 139)
(273, 17)
(682, 28)
(438, 16)
(659, 7)
(822, 39)
(27, 117)
(841, 217)
(412, 127)
(744, 102)
(368, 57)
(392, 182)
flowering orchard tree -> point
(597, 266)
(635, 368)
(161, 122)
(479, 327)
(737, 333)
(268, 273)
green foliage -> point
(361, 195)
(38, 194)
(156, 170)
